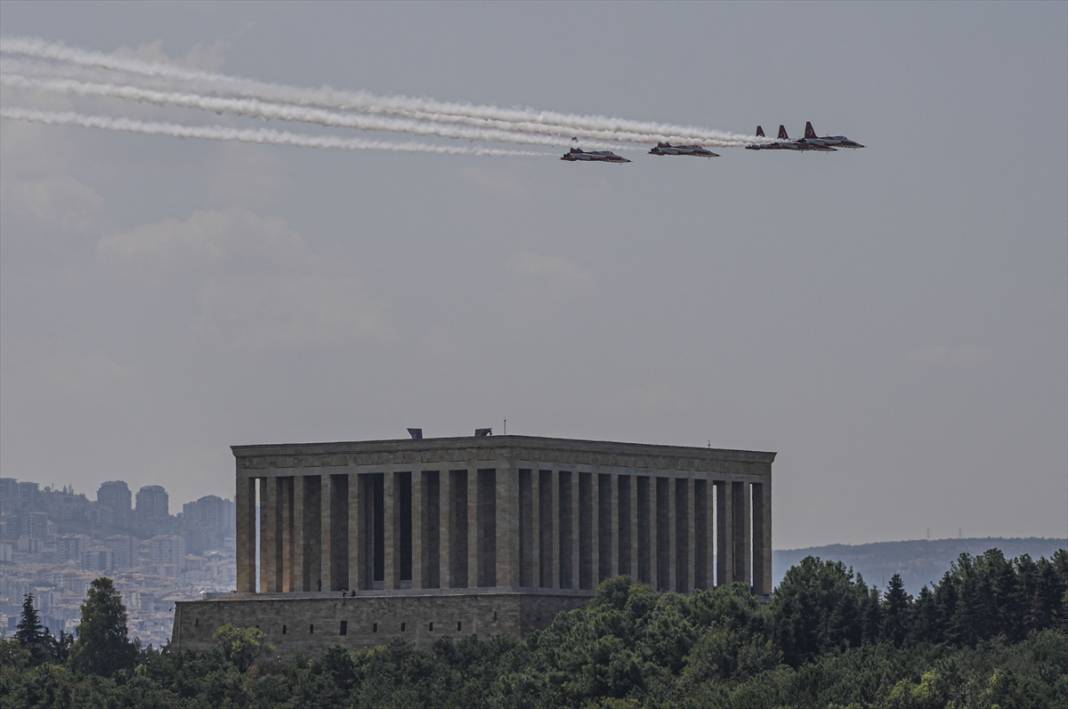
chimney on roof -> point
(416, 434)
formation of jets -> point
(783, 142)
(811, 142)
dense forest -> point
(992, 632)
(919, 562)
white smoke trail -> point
(261, 135)
(285, 112)
(550, 122)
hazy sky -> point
(893, 321)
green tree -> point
(926, 627)
(896, 611)
(1007, 607)
(1060, 565)
(102, 647)
(1045, 606)
(806, 611)
(873, 616)
(845, 621)
(62, 646)
(240, 646)
(31, 634)
(1027, 580)
(947, 601)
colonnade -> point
(527, 528)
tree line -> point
(992, 632)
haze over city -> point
(892, 321)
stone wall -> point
(310, 623)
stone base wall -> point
(310, 623)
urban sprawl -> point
(54, 542)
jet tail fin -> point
(810, 132)
(782, 133)
(760, 131)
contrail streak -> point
(550, 122)
(285, 112)
(261, 135)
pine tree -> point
(947, 602)
(1060, 565)
(1001, 586)
(873, 617)
(1026, 582)
(976, 616)
(925, 621)
(845, 622)
(102, 646)
(61, 646)
(31, 634)
(1062, 619)
(896, 611)
(1045, 604)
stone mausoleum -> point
(360, 543)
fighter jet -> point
(833, 141)
(580, 155)
(695, 150)
(784, 143)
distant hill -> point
(919, 562)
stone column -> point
(691, 535)
(472, 527)
(604, 484)
(445, 528)
(357, 561)
(576, 549)
(300, 570)
(613, 528)
(326, 534)
(595, 527)
(632, 517)
(654, 534)
(747, 548)
(762, 537)
(535, 526)
(270, 539)
(245, 499)
(703, 568)
(724, 534)
(758, 533)
(391, 530)
(742, 531)
(766, 537)
(555, 497)
(418, 518)
(285, 490)
(507, 492)
(673, 536)
(622, 551)
(264, 565)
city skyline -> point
(73, 489)
(54, 542)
